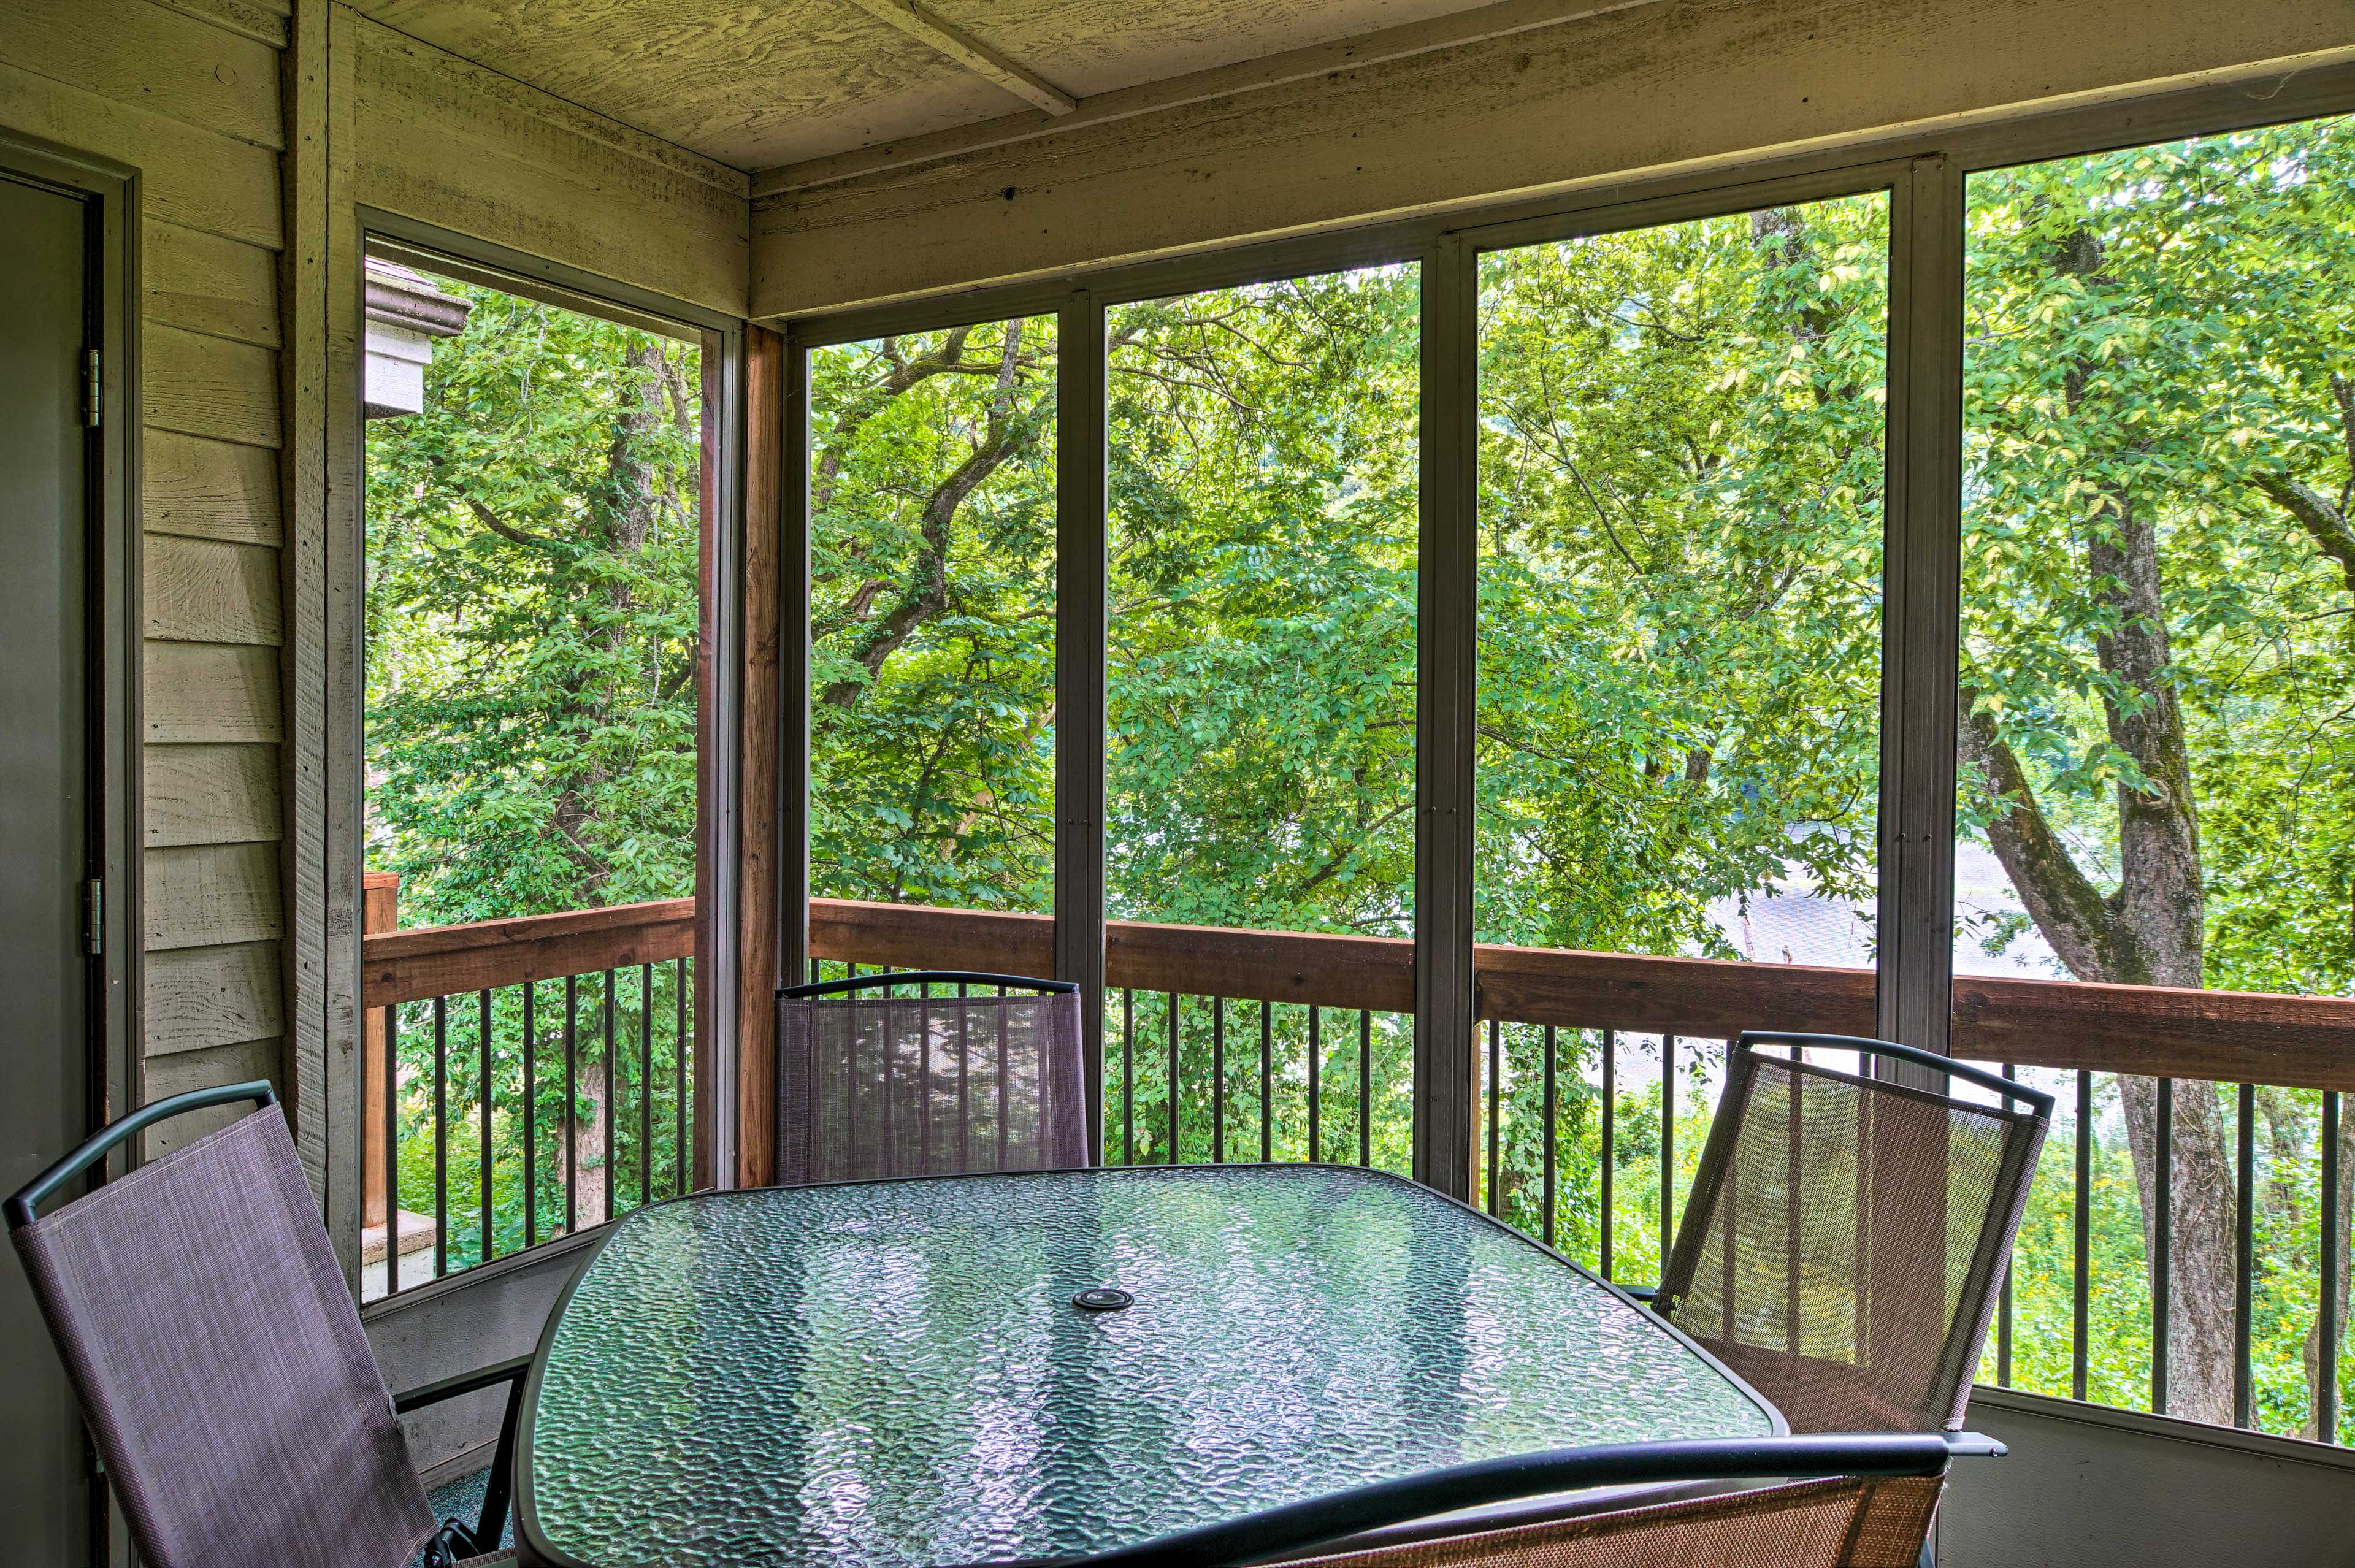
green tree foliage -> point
(933, 618)
(1681, 474)
(532, 541)
(1260, 673)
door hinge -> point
(90, 401)
(93, 907)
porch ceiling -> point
(756, 83)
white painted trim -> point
(2167, 1428)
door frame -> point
(113, 994)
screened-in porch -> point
(1408, 577)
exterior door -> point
(49, 845)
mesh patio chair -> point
(1847, 1237)
(969, 1072)
(220, 1362)
(1855, 1501)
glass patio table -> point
(1028, 1367)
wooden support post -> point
(772, 873)
(379, 912)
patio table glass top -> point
(897, 1373)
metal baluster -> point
(1496, 1114)
(571, 1104)
(1128, 1077)
(1610, 1123)
(531, 1115)
(1266, 1081)
(1667, 1145)
(2243, 1237)
(645, 1084)
(1001, 1082)
(1365, 1087)
(391, 1151)
(1218, 1080)
(1549, 1112)
(890, 1047)
(2326, 1394)
(1315, 1085)
(2162, 1251)
(964, 1081)
(1864, 1206)
(1730, 1198)
(2082, 1223)
(1793, 1176)
(853, 1072)
(611, 1165)
(2003, 1308)
(441, 1137)
(678, 983)
(483, 1097)
(2080, 1290)
(924, 1079)
(1173, 1078)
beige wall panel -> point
(192, 692)
(443, 141)
(187, 176)
(207, 283)
(200, 996)
(139, 53)
(1687, 82)
(204, 896)
(211, 795)
(176, 1074)
(202, 591)
(208, 490)
(210, 386)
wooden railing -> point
(530, 1022)
(2228, 1036)
(1633, 1014)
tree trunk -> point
(588, 1136)
(2150, 931)
(622, 516)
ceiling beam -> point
(1454, 31)
(969, 52)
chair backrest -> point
(221, 1364)
(1847, 1236)
(957, 1073)
(1844, 1522)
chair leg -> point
(498, 1487)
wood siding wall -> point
(188, 93)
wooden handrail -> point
(449, 960)
(2229, 1036)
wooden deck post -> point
(379, 912)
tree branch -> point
(2066, 906)
(2312, 511)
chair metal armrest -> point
(491, 1524)
(1643, 1292)
(418, 1398)
(1975, 1445)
